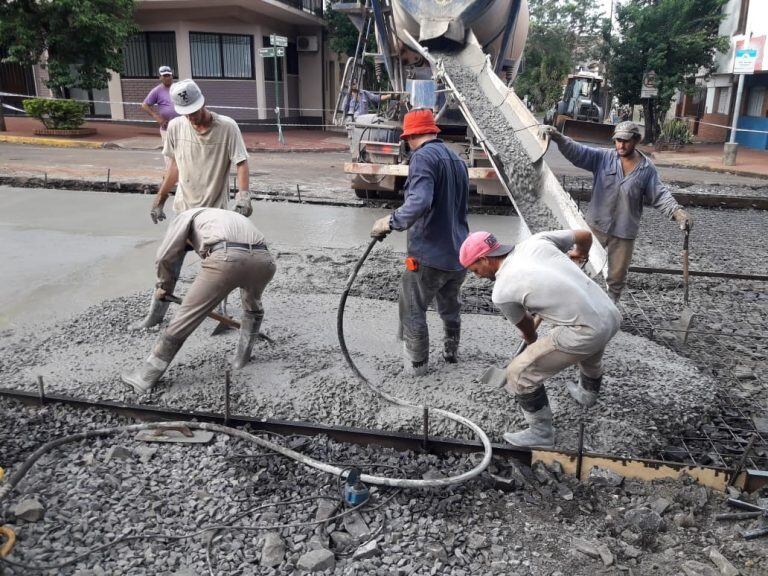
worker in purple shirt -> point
(158, 103)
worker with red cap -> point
(434, 212)
(541, 276)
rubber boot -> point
(586, 391)
(413, 367)
(157, 310)
(536, 411)
(249, 331)
(451, 345)
(144, 378)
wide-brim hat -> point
(186, 97)
(419, 122)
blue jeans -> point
(417, 290)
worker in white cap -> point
(624, 179)
(202, 147)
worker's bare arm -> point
(527, 327)
(151, 111)
(243, 178)
(169, 181)
(581, 246)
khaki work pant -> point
(619, 252)
(541, 360)
(220, 273)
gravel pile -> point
(89, 494)
(650, 392)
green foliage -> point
(675, 38)
(676, 132)
(341, 31)
(562, 33)
(547, 62)
(57, 114)
(83, 39)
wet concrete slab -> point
(65, 250)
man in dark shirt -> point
(435, 214)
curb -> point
(715, 169)
(68, 143)
(54, 142)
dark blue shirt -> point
(435, 208)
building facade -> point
(712, 105)
(216, 43)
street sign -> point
(649, 89)
(275, 40)
(744, 61)
(267, 52)
(280, 51)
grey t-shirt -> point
(204, 161)
(538, 277)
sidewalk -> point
(749, 162)
(147, 137)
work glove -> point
(381, 228)
(683, 219)
(243, 205)
(157, 214)
(578, 257)
(160, 293)
(550, 131)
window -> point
(741, 27)
(221, 55)
(722, 100)
(292, 58)
(755, 101)
(269, 65)
(145, 52)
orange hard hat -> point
(418, 122)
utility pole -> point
(743, 64)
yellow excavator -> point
(579, 113)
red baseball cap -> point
(419, 122)
(480, 244)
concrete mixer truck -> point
(460, 58)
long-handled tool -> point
(226, 321)
(496, 377)
(681, 326)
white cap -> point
(165, 71)
(186, 97)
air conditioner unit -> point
(306, 43)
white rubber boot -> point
(249, 331)
(540, 433)
(144, 378)
(585, 392)
(157, 310)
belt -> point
(224, 245)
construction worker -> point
(234, 255)
(623, 180)
(435, 214)
(201, 146)
(541, 276)
(158, 104)
(358, 102)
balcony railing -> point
(312, 6)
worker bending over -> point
(201, 147)
(623, 180)
(234, 255)
(435, 214)
(539, 276)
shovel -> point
(225, 322)
(495, 377)
(681, 326)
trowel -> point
(495, 377)
(681, 326)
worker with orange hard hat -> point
(434, 212)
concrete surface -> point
(65, 250)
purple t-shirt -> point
(161, 97)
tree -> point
(562, 33)
(341, 31)
(78, 41)
(674, 38)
